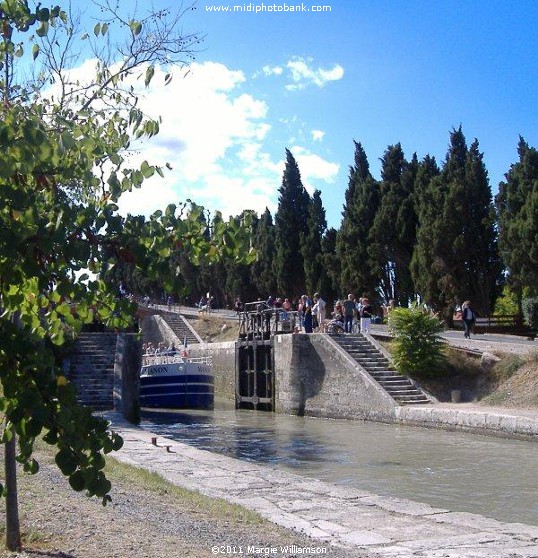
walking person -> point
(468, 315)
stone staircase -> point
(401, 388)
(180, 328)
(91, 368)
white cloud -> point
(313, 167)
(212, 134)
(317, 135)
(303, 74)
(272, 70)
(218, 140)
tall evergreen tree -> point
(262, 273)
(239, 275)
(291, 227)
(463, 253)
(329, 287)
(362, 201)
(392, 236)
(311, 246)
(517, 208)
(427, 198)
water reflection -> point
(460, 472)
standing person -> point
(308, 320)
(468, 316)
(349, 312)
(365, 316)
(321, 311)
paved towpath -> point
(359, 521)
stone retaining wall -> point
(223, 366)
(314, 376)
(499, 422)
(156, 330)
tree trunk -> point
(13, 531)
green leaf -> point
(7, 435)
(97, 29)
(77, 481)
(136, 27)
(67, 462)
(43, 29)
(147, 170)
(43, 14)
(149, 75)
(31, 467)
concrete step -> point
(91, 369)
(399, 387)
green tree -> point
(393, 233)
(291, 227)
(462, 250)
(427, 200)
(517, 209)
(316, 225)
(361, 205)
(238, 275)
(62, 171)
(262, 273)
(330, 265)
(418, 347)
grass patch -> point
(507, 367)
(137, 478)
(190, 500)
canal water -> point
(489, 476)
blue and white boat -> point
(174, 381)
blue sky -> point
(378, 72)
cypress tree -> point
(517, 208)
(392, 236)
(262, 272)
(460, 232)
(362, 201)
(330, 276)
(426, 199)
(291, 227)
(311, 247)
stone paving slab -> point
(333, 515)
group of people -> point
(312, 313)
(149, 349)
(351, 311)
(206, 303)
(162, 349)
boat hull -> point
(177, 386)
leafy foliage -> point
(456, 256)
(316, 225)
(530, 312)
(63, 168)
(392, 236)
(362, 203)
(291, 227)
(517, 209)
(418, 349)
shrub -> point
(417, 348)
(530, 312)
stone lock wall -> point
(314, 376)
(223, 366)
